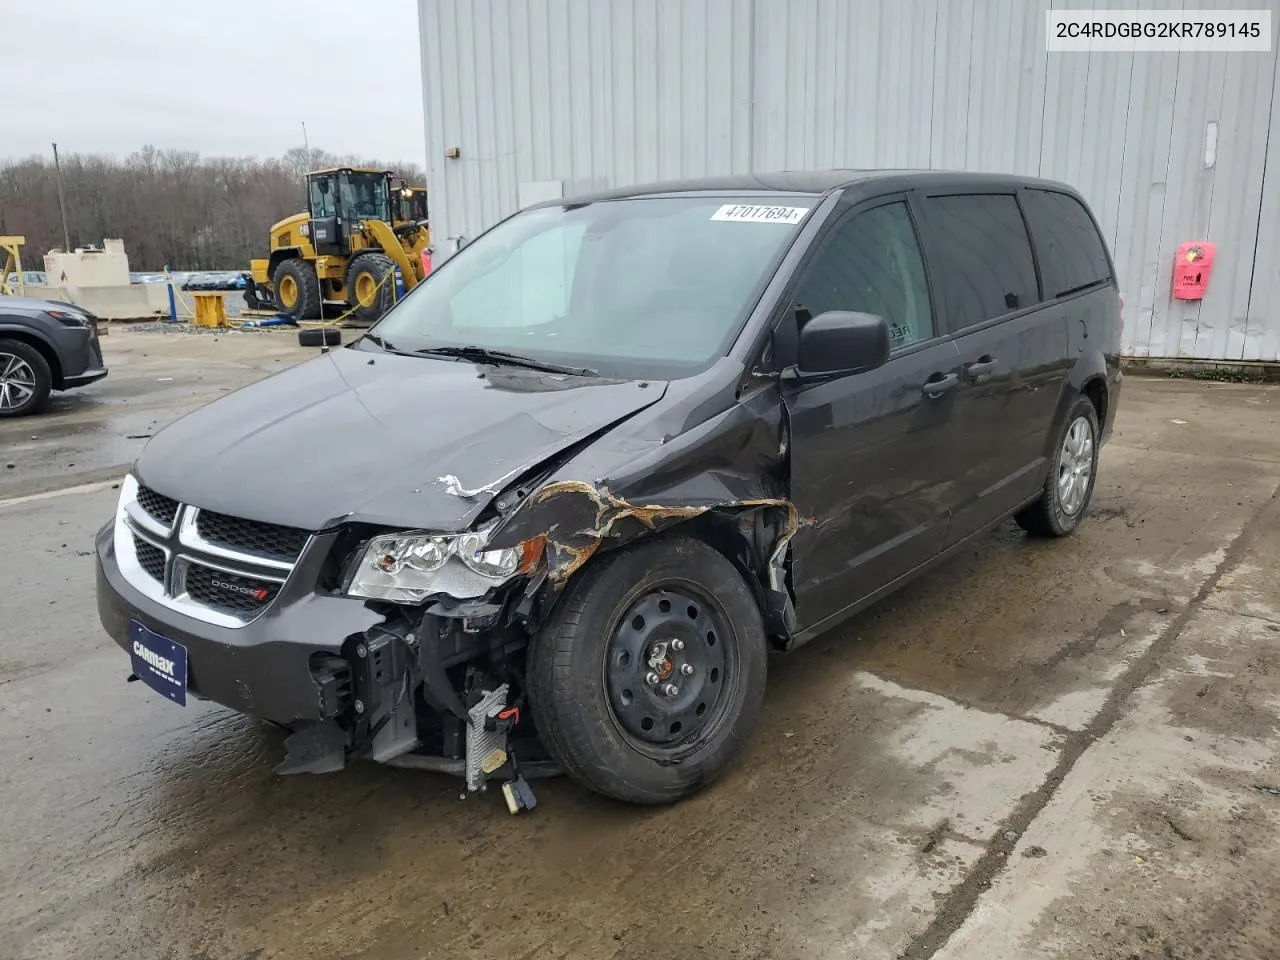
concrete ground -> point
(1043, 750)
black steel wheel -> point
(650, 673)
(666, 669)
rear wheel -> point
(297, 290)
(650, 674)
(369, 280)
(1069, 486)
(25, 379)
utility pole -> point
(62, 203)
(306, 145)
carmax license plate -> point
(159, 662)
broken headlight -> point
(409, 567)
(499, 564)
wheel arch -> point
(41, 345)
(581, 524)
(745, 540)
(1088, 378)
(280, 256)
(1095, 388)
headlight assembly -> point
(69, 318)
(409, 567)
(498, 564)
(392, 555)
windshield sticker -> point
(746, 213)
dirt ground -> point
(1042, 750)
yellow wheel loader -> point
(343, 252)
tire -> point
(320, 337)
(591, 657)
(1061, 504)
(296, 290)
(369, 286)
(258, 297)
(25, 379)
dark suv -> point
(44, 345)
(553, 509)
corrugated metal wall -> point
(544, 96)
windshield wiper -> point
(485, 355)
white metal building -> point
(543, 98)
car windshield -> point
(655, 287)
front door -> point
(325, 226)
(871, 454)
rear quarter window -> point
(1072, 254)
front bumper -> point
(80, 354)
(262, 668)
(82, 379)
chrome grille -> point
(159, 507)
(270, 541)
(210, 566)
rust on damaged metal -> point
(568, 551)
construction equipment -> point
(361, 226)
(411, 202)
(11, 247)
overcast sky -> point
(229, 77)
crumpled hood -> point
(401, 441)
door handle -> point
(981, 369)
(938, 384)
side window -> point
(322, 198)
(1072, 255)
(529, 287)
(986, 255)
(872, 264)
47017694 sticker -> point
(751, 213)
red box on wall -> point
(1191, 270)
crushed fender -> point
(586, 516)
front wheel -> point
(25, 379)
(370, 290)
(297, 290)
(650, 674)
(1069, 485)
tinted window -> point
(987, 256)
(1071, 252)
(872, 264)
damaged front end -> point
(441, 683)
(438, 684)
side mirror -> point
(840, 341)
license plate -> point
(159, 662)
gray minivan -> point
(550, 513)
